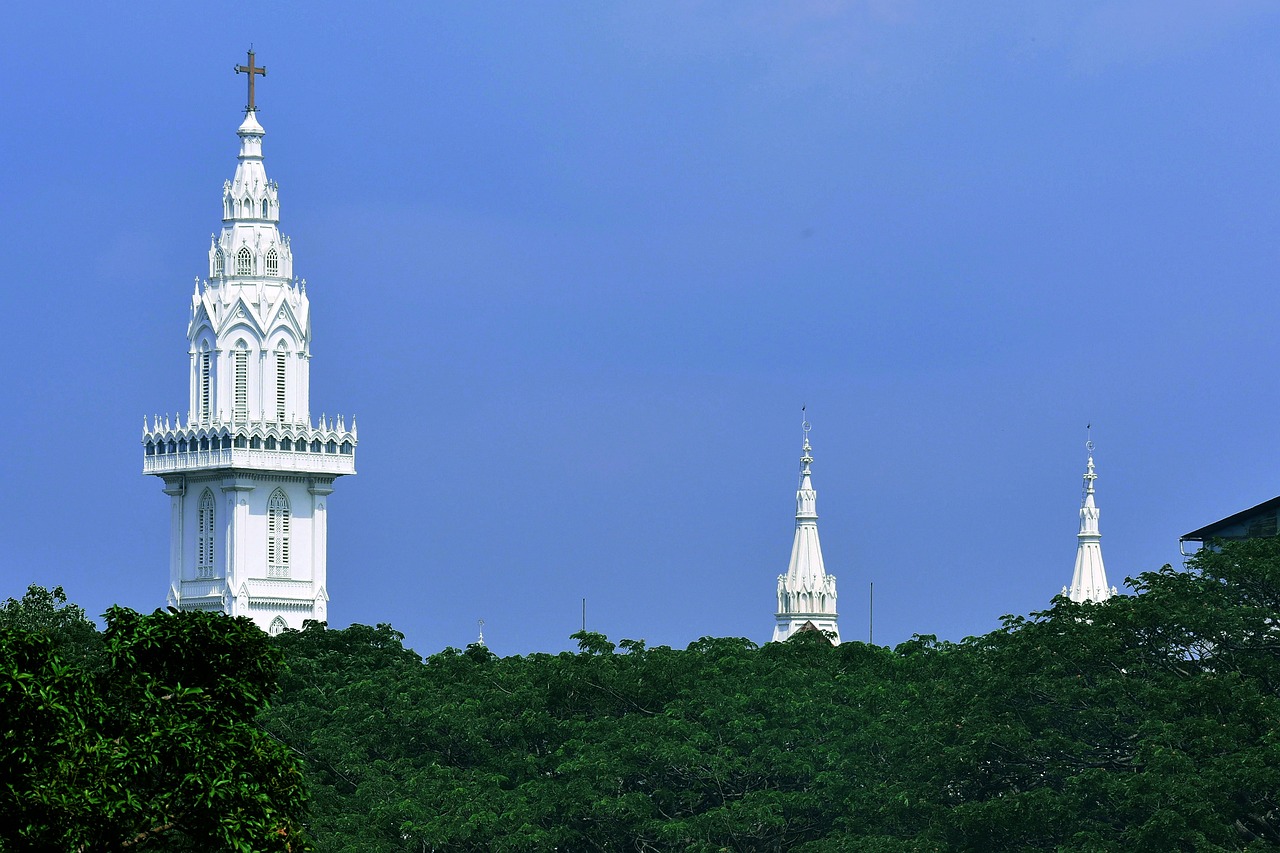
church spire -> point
(1089, 582)
(248, 475)
(806, 593)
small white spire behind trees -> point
(1089, 582)
(806, 593)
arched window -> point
(286, 444)
(265, 208)
(247, 207)
(278, 626)
(217, 262)
(282, 373)
(244, 261)
(204, 538)
(205, 398)
(273, 262)
(278, 535)
(241, 357)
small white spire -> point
(806, 593)
(480, 640)
(1089, 581)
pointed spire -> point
(806, 593)
(1089, 580)
(806, 497)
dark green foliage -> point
(143, 737)
(1150, 723)
(47, 613)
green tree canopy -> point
(151, 745)
(1148, 723)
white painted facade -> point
(1089, 581)
(247, 470)
(806, 593)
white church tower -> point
(1089, 582)
(806, 593)
(247, 470)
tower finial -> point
(807, 458)
(1089, 475)
(251, 70)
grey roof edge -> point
(1209, 530)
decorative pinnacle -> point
(807, 459)
(1089, 475)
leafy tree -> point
(46, 612)
(1150, 722)
(155, 749)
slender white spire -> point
(806, 593)
(1089, 582)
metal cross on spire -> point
(251, 70)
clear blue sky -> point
(576, 267)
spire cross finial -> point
(807, 458)
(1089, 476)
(251, 70)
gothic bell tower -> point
(247, 470)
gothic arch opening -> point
(204, 535)
(278, 523)
(240, 366)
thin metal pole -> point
(871, 621)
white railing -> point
(281, 590)
(202, 588)
(250, 458)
